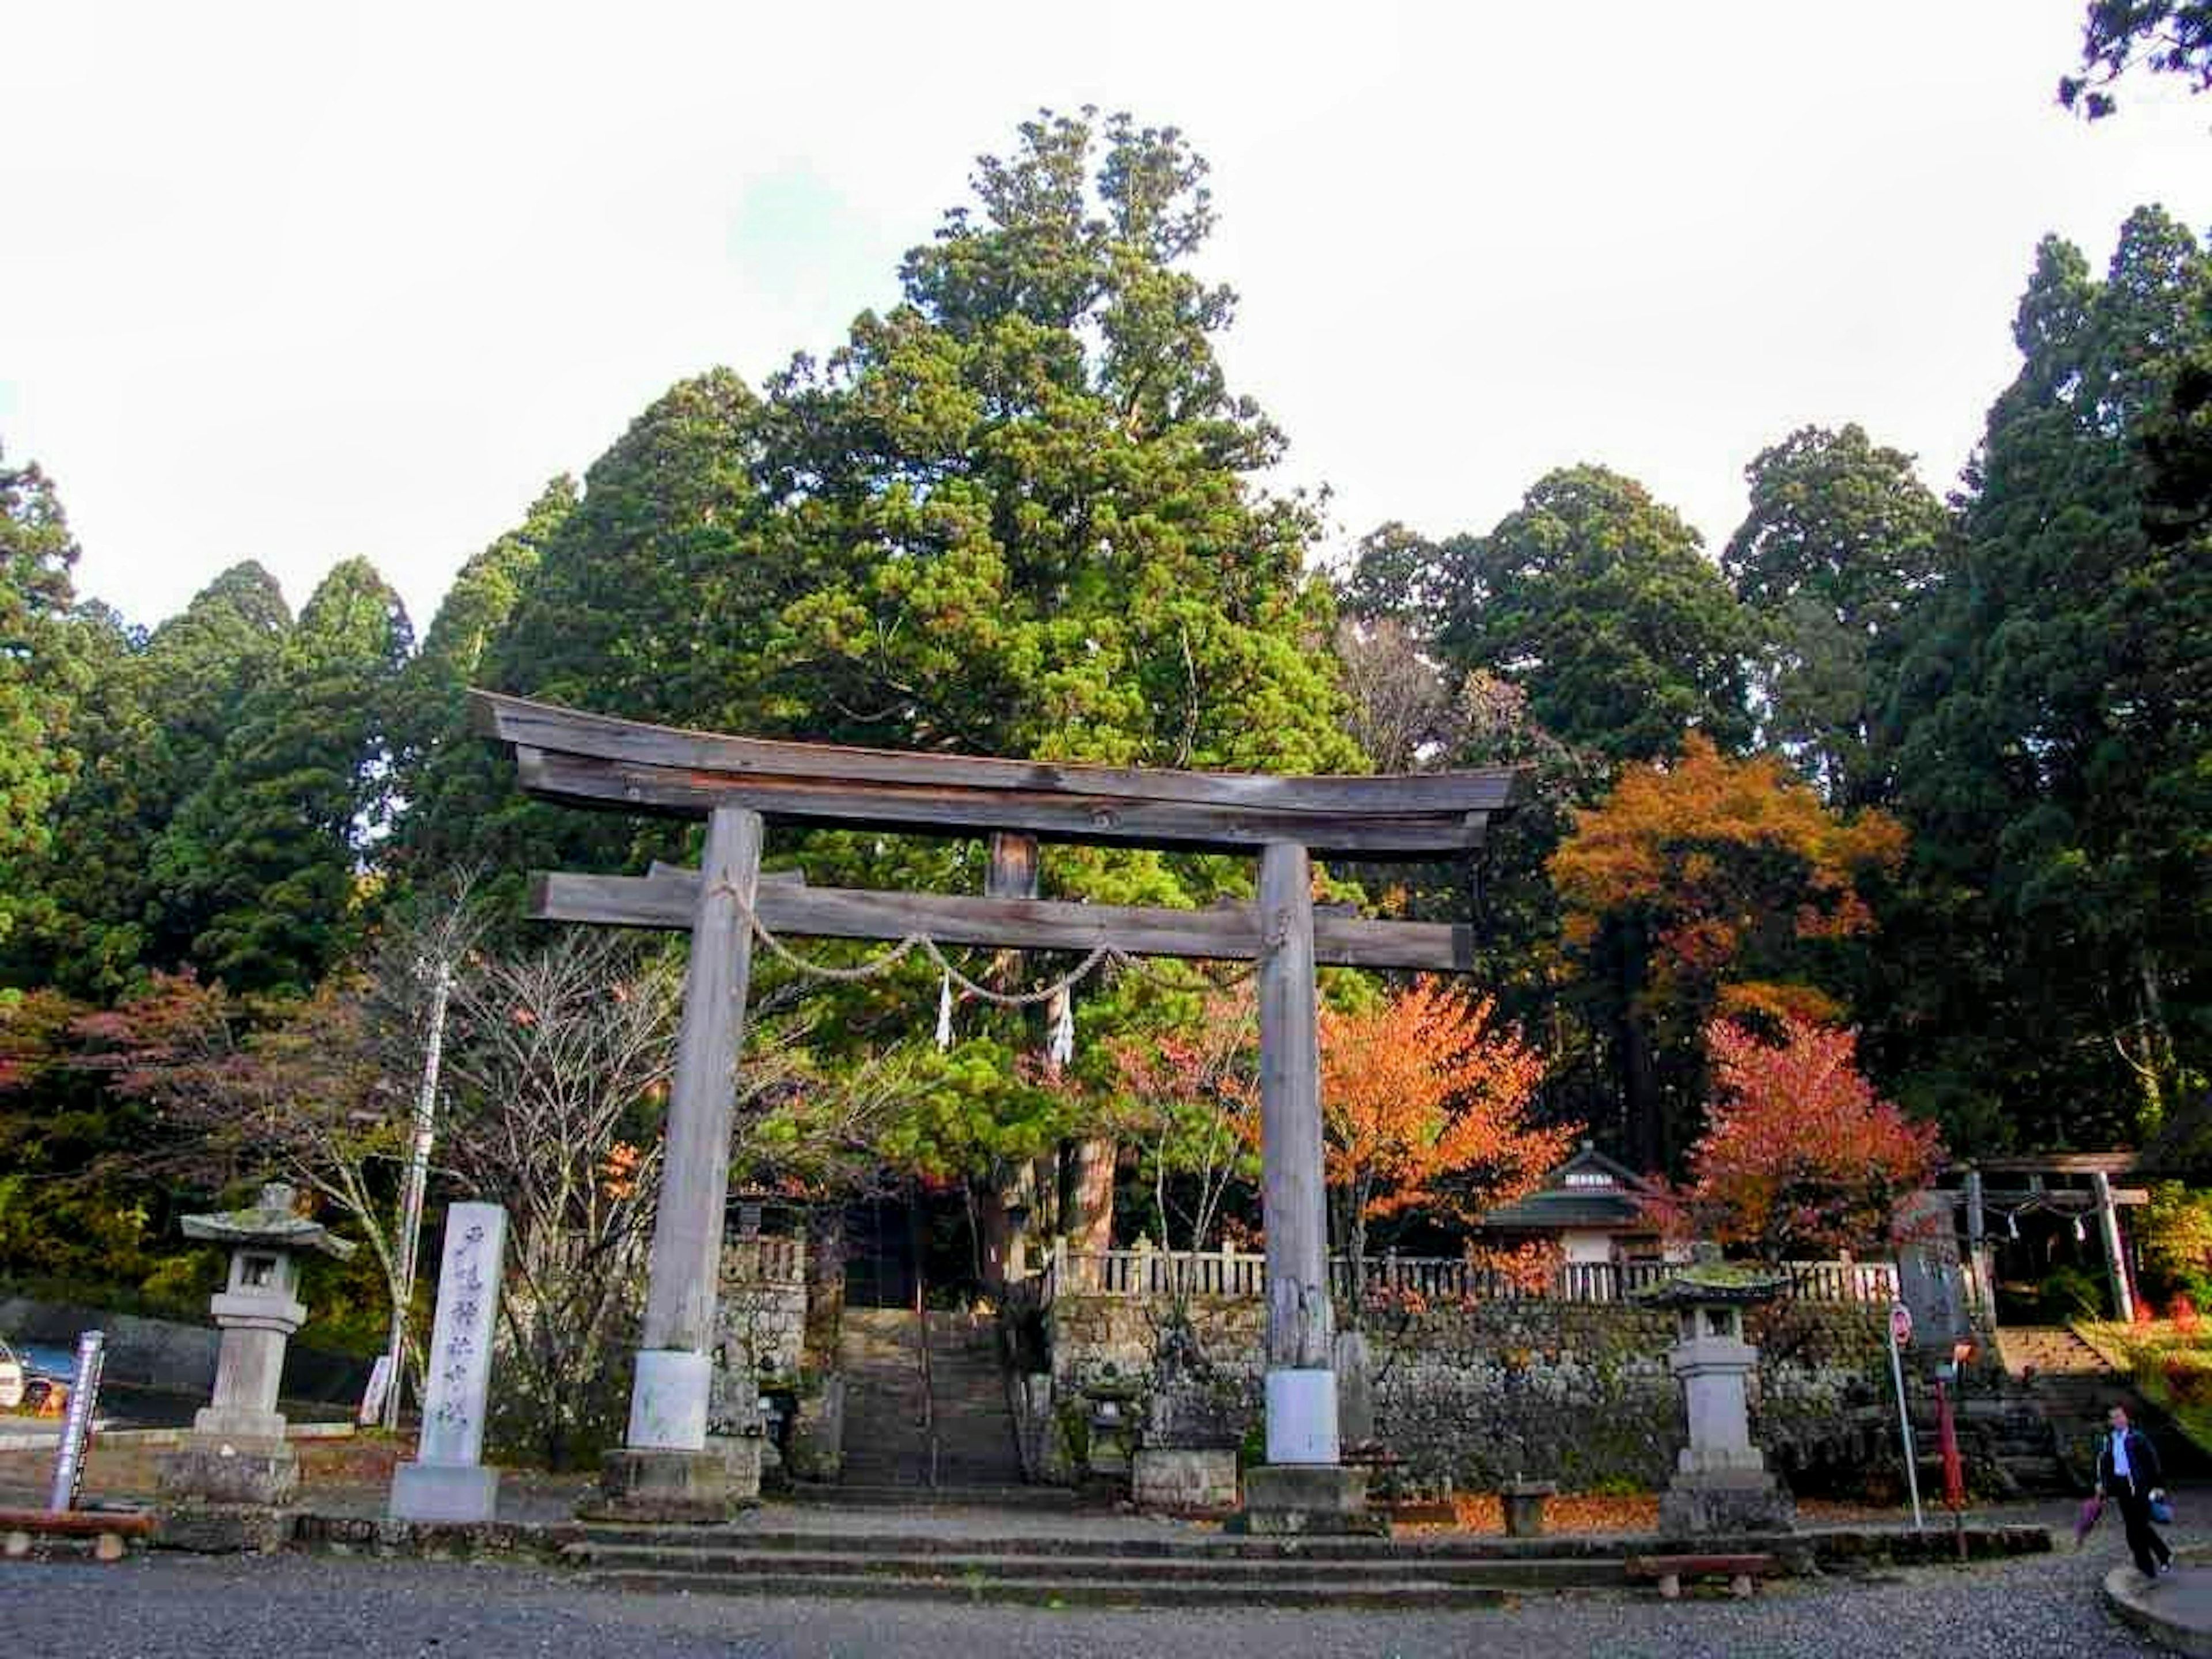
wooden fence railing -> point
(1432, 1278)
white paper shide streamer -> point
(1062, 1049)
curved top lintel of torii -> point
(597, 759)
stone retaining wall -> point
(760, 1326)
(1481, 1393)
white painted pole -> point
(76, 1427)
(2116, 1255)
(1904, 1430)
(418, 1176)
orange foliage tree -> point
(1425, 1107)
(1800, 1156)
(1703, 886)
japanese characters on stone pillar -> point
(448, 1480)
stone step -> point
(1367, 1551)
(1106, 1567)
(1360, 1594)
(904, 1486)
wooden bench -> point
(107, 1529)
(1740, 1571)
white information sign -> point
(372, 1397)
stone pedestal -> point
(1724, 1501)
(223, 1529)
(462, 1493)
(1524, 1503)
(1183, 1482)
(1324, 1500)
(690, 1488)
(208, 1469)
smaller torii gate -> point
(664, 1471)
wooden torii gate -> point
(738, 784)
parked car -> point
(32, 1382)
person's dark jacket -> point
(2142, 1467)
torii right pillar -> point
(1301, 1488)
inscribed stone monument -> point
(448, 1480)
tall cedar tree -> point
(2053, 969)
(458, 805)
(39, 678)
(269, 850)
(1840, 538)
(149, 729)
(1602, 602)
(1709, 885)
(2163, 37)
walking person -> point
(2127, 1472)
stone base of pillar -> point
(223, 1529)
(1718, 1501)
(1316, 1499)
(206, 1469)
(675, 1488)
(444, 1492)
(234, 1423)
(745, 1456)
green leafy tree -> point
(1840, 537)
(2052, 754)
(1393, 578)
(269, 850)
(459, 804)
(2163, 36)
(1601, 601)
(1025, 493)
(148, 728)
(39, 678)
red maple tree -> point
(1800, 1156)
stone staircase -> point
(1095, 1571)
(973, 1556)
(906, 1440)
(2071, 1388)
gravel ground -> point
(181, 1607)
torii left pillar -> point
(664, 1471)
(1302, 1487)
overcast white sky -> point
(295, 283)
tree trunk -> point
(1647, 1122)
(1089, 1213)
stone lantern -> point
(1721, 1482)
(236, 1453)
